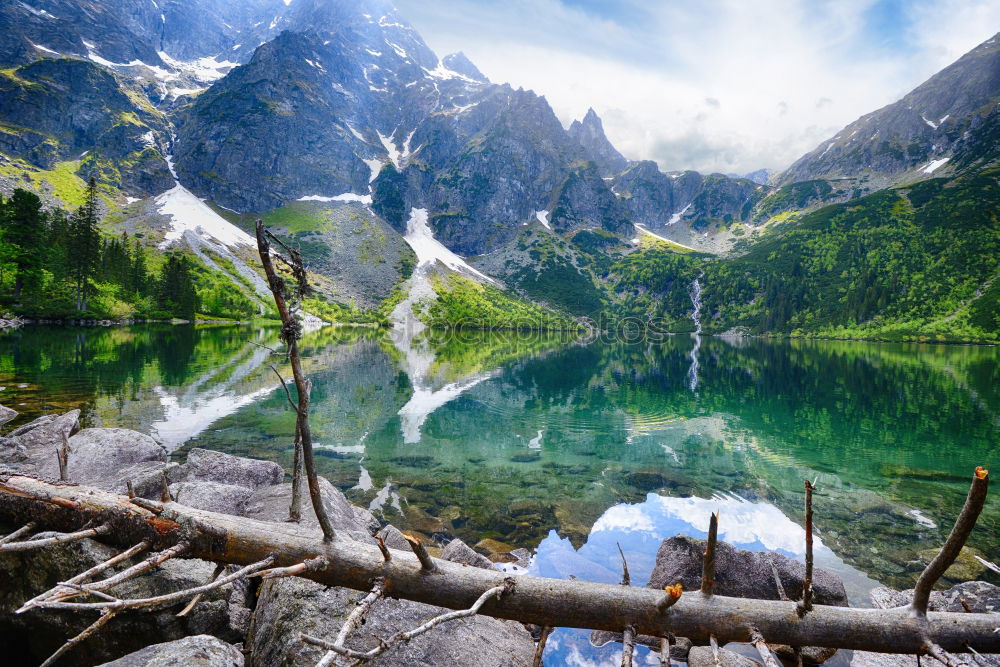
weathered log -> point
(545, 602)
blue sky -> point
(713, 85)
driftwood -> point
(256, 545)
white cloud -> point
(784, 75)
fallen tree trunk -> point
(546, 602)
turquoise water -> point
(567, 447)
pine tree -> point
(176, 292)
(25, 230)
(85, 244)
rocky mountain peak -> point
(590, 134)
(458, 62)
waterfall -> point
(696, 317)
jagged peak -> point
(459, 62)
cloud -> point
(694, 85)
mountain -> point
(590, 134)
(915, 137)
(413, 182)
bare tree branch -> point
(758, 642)
(628, 645)
(540, 649)
(51, 541)
(708, 566)
(953, 545)
(219, 569)
(426, 562)
(105, 616)
(807, 592)
(353, 620)
(23, 530)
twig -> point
(26, 528)
(52, 541)
(153, 506)
(626, 579)
(62, 456)
(940, 654)
(219, 569)
(130, 489)
(83, 576)
(118, 605)
(953, 545)
(807, 593)
(270, 349)
(665, 651)
(628, 645)
(540, 648)
(496, 591)
(105, 616)
(295, 507)
(708, 567)
(714, 643)
(164, 488)
(134, 571)
(777, 582)
(671, 594)
(760, 644)
(354, 619)
(384, 549)
(309, 565)
(284, 386)
(986, 563)
(426, 562)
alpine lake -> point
(569, 447)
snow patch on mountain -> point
(429, 250)
(188, 213)
(934, 165)
(676, 217)
(346, 197)
(543, 217)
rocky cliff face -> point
(590, 134)
(916, 135)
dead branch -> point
(708, 566)
(544, 602)
(353, 621)
(807, 592)
(671, 594)
(495, 592)
(62, 456)
(311, 565)
(941, 655)
(52, 541)
(628, 645)
(23, 530)
(384, 549)
(105, 616)
(956, 540)
(626, 579)
(758, 642)
(219, 569)
(83, 576)
(426, 562)
(777, 582)
(118, 604)
(290, 331)
(540, 649)
(665, 651)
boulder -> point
(271, 503)
(288, 606)
(212, 496)
(393, 538)
(458, 551)
(31, 637)
(205, 465)
(739, 573)
(198, 651)
(99, 456)
(6, 414)
(41, 438)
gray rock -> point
(100, 456)
(41, 438)
(981, 597)
(204, 465)
(212, 496)
(271, 504)
(701, 656)
(198, 651)
(458, 551)
(740, 573)
(393, 538)
(289, 606)
(6, 414)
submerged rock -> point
(205, 465)
(198, 651)
(739, 573)
(289, 606)
(6, 414)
